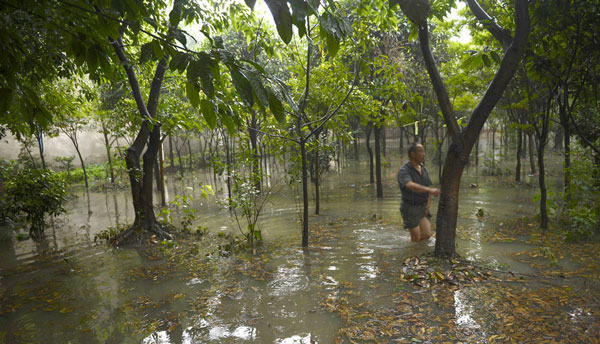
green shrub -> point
(32, 194)
(579, 214)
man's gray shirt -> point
(408, 173)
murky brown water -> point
(69, 290)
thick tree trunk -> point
(378, 161)
(447, 215)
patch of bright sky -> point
(463, 35)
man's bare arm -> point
(415, 187)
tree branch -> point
(507, 69)
(438, 86)
(501, 34)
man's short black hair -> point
(413, 148)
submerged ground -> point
(361, 280)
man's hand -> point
(434, 191)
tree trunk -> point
(108, 155)
(253, 134)
(355, 137)
(524, 145)
(378, 130)
(559, 137)
(448, 205)
(163, 191)
(73, 137)
(171, 157)
(383, 141)
(189, 146)
(40, 141)
(368, 133)
(462, 140)
(531, 150)
(543, 192)
(317, 176)
(304, 194)
(179, 160)
(145, 226)
(518, 168)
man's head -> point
(416, 152)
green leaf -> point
(495, 56)
(192, 93)
(146, 53)
(242, 85)
(229, 123)
(256, 65)
(394, 3)
(276, 107)
(333, 45)
(174, 18)
(157, 49)
(258, 89)
(208, 111)
(283, 18)
(92, 59)
(486, 60)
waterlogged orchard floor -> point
(353, 285)
(361, 280)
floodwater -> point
(70, 290)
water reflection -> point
(105, 293)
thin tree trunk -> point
(189, 145)
(368, 141)
(543, 192)
(73, 137)
(163, 191)
(531, 155)
(40, 140)
(317, 176)
(518, 168)
(108, 155)
(171, 157)
(304, 194)
(378, 161)
(355, 137)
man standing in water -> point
(416, 194)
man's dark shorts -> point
(412, 214)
